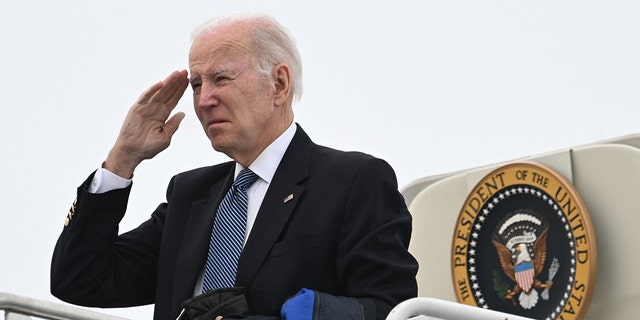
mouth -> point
(216, 122)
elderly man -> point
(311, 223)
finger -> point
(171, 126)
(170, 86)
(181, 84)
(179, 90)
(148, 94)
(172, 101)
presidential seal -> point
(524, 244)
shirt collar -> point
(267, 162)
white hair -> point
(273, 43)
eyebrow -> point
(213, 74)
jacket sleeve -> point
(92, 265)
(375, 263)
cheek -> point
(199, 113)
(196, 100)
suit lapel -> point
(277, 207)
(195, 242)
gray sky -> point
(430, 86)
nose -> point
(206, 96)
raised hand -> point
(147, 129)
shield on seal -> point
(525, 275)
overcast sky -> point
(430, 86)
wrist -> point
(120, 164)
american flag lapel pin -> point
(288, 198)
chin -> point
(218, 146)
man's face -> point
(233, 102)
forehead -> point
(221, 46)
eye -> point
(221, 79)
(196, 87)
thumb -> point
(171, 126)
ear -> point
(282, 84)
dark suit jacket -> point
(345, 232)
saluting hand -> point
(147, 129)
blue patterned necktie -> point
(227, 236)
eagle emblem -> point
(521, 244)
